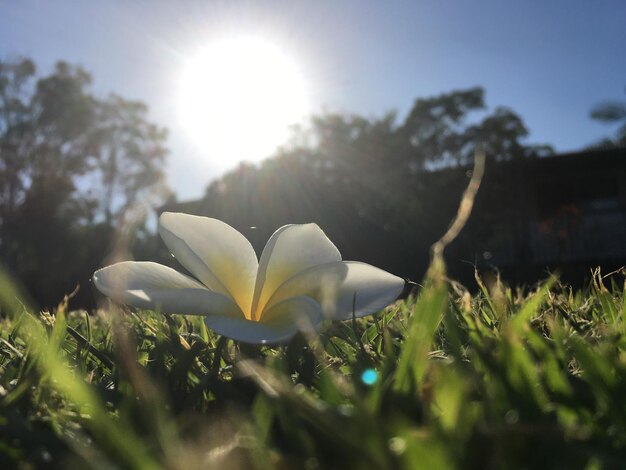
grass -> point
(506, 378)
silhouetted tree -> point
(611, 112)
(69, 163)
(383, 190)
(130, 154)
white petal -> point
(152, 285)
(214, 252)
(281, 322)
(334, 286)
(289, 251)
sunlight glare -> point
(238, 98)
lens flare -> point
(369, 377)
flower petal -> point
(152, 285)
(289, 251)
(280, 323)
(334, 285)
(214, 252)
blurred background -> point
(360, 116)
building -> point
(565, 212)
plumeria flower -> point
(299, 280)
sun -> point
(238, 98)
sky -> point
(550, 61)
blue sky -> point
(550, 61)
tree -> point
(70, 165)
(611, 112)
(383, 190)
(15, 123)
(434, 132)
(130, 155)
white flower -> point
(299, 280)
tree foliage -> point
(611, 112)
(384, 189)
(71, 165)
(74, 165)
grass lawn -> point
(506, 378)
